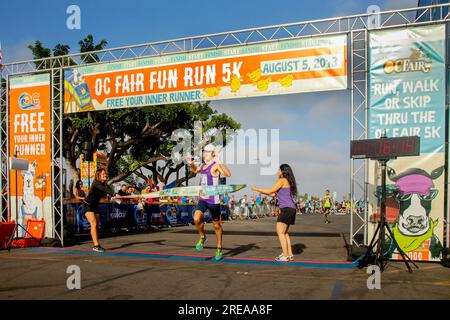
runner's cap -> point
(209, 147)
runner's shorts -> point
(214, 209)
(287, 216)
(87, 207)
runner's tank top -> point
(285, 198)
(327, 200)
(207, 179)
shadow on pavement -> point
(241, 249)
(298, 248)
(126, 245)
(271, 234)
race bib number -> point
(204, 180)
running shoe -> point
(281, 255)
(290, 258)
(200, 243)
(98, 249)
(218, 254)
(282, 258)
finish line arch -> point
(356, 29)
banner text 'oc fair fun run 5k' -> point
(282, 67)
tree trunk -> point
(182, 180)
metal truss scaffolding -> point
(4, 147)
(358, 168)
(57, 95)
(356, 26)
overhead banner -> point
(30, 138)
(407, 98)
(282, 67)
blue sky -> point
(138, 21)
(314, 127)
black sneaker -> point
(98, 249)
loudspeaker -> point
(18, 164)
(86, 150)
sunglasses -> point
(431, 196)
(393, 191)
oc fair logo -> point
(417, 61)
(29, 101)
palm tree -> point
(88, 45)
(63, 50)
(40, 52)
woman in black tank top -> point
(98, 190)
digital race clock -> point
(385, 148)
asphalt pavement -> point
(163, 264)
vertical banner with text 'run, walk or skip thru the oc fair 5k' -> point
(30, 138)
(407, 98)
(281, 67)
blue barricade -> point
(186, 214)
(141, 216)
(114, 217)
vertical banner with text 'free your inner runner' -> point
(407, 98)
(30, 138)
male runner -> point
(210, 171)
(327, 202)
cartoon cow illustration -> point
(29, 203)
(414, 192)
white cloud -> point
(329, 109)
(260, 112)
(307, 151)
(291, 113)
(316, 168)
(317, 165)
